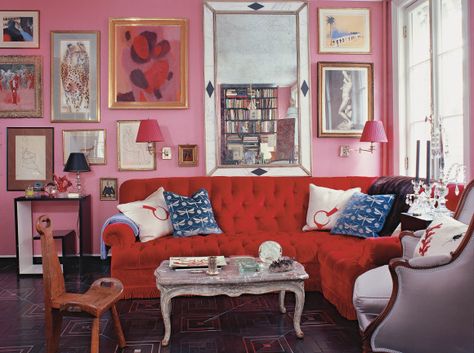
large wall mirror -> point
(257, 99)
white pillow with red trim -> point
(442, 237)
(325, 205)
(151, 215)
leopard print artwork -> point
(75, 77)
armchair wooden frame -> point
(103, 294)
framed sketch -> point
(344, 31)
(345, 97)
(187, 155)
(108, 189)
(132, 155)
(90, 142)
(21, 86)
(75, 73)
(20, 29)
(148, 63)
(30, 156)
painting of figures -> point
(344, 31)
(74, 72)
(20, 87)
(148, 63)
(20, 29)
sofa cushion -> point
(325, 205)
(191, 215)
(364, 215)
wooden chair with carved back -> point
(103, 294)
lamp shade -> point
(77, 162)
(149, 131)
(373, 132)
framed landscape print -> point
(148, 63)
(187, 155)
(75, 74)
(20, 29)
(30, 156)
(132, 155)
(344, 31)
(89, 142)
(345, 97)
(108, 189)
(21, 86)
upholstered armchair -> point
(421, 304)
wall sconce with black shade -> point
(373, 132)
(77, 163)
(149, 131)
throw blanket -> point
(116, 218)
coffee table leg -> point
(282, 302)
(299, 296)
(165, 302)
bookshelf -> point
(249, 116)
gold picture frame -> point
(91, 142)
(132, 66)
(187, 155)
(132, 155)
(108, 189)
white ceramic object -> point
(269, 251)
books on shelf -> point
(194, 262)
(257, 126)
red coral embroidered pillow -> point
(151, 215)
(442, 237)
(324, 206)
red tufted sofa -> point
(251, 210)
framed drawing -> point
(20, 29)
(345, 97)
(148, 63)
(132, 155)
(21, 86)
(187, 155)
(108, 189)
(344, 31)
(90, 142)
(30, 156)
(75, 90)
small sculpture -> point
(62, 183)
(283, 264)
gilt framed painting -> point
(20, 29)
(75, 73)
(148, 63)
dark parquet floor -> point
(246, 324)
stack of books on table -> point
(193, 263)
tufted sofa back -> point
(243, 204)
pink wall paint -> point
(178, 126)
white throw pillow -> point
(442, 237)
(324, 206)
(151, 215)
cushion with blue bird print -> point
(364, 215)
(191, 215)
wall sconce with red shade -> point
(373, 132)
(149, 131)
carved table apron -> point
(229, 282)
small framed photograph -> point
(75, 73)
(344, 31)
(20, 29)
(345, 97)
(21, 86)
(108, 189)
(187, 155)
(90, 142)
(30, 156)
(132, 155)
(148, 61)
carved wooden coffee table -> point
(230, 282)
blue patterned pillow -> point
(191, 215)
(364, 215)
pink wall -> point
(178, 126)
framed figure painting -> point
(108, 189)
(132, 155)
(20, 29)
(345, 98)
(148, 63)
(30, 156)
(187, 155)
(89, 142)
(75, 90)
(21, 86)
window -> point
(433, 54)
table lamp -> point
(77, 163)
(149, 131)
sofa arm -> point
(429, 261)
(379, 251)
(118, 234)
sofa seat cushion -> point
(372, 291)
